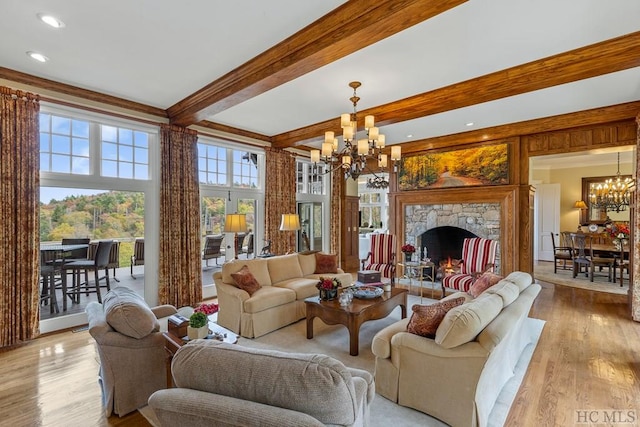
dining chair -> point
(100, 262)
(560, 253)
(138, 254)
(583, 255)
(623, 262)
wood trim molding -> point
(612, 55)
(62, 88)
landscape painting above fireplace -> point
(487, 165)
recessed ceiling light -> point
(410, 136)
(50, 20)
(470, 124)
(37, 56)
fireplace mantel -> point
(509, 197)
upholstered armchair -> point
(478, 256)
(382, 256)
(130, 345)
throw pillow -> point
(126, 312)
(326, 263)
(245, 280)
(483, 283)
(426, 318)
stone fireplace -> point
(441, 228)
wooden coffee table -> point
(355, 314)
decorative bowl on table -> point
(367, 292)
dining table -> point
(54, 254)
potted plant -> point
(198, 326)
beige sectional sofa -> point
(286, 281)
(458, 375)
(286, 389)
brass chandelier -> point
(613, 194)
(356, 152)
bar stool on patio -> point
(100, 261)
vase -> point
(328, 294)
(407, 256)
(197, 333)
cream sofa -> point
(457, 376)
(286, 281)
(223, 384)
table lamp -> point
(235, 223)
(580, 204)
(290, 222)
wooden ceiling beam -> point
(609, 56)
(345, 30)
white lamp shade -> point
(329, 136)
(395, 153)
(335, 144)
(382, 161)
(346, 160)
(290, 222)
(373, 133)
(347, 133)
(327, 148)
(345, 120)
(380, 141)
(315, 156)
(235, 223)
(368, 122)
(363, 147)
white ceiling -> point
(158, 52)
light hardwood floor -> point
(588, 357)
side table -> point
(173, 343)
(419, 271)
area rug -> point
(333, 340)
(543, 271)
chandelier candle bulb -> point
(345, 120)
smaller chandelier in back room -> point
(612, 194)
(356, 152)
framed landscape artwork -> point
(488, 165)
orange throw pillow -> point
(326, 263)
(483, 283)
(426, 318)
(245, 280)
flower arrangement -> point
(619, 231)
(198, 319)
(408, 248)
(207, 309)
(328, 283)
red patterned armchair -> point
(478, 256)
(382, 255)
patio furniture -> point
(138, 254)
(212, 248)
